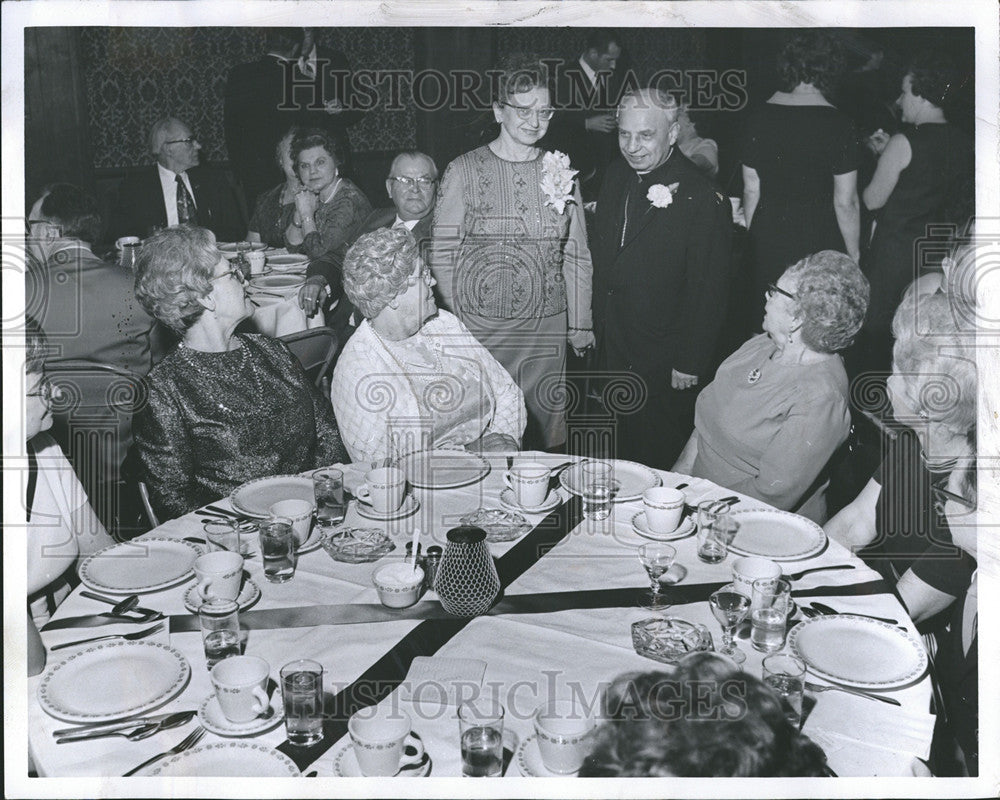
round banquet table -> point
(570, 599)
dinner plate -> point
(231, 248)
(249, 595)
(778, 535)
(345, 764)
(443, 469)
(632, 479)
(113, 679)
(278, 284)
(553, 499)
(286, 261)
(139, 566)
(226, 760)
(529, 761)
(639, 525)
(254, 498)
(212, 719)
(858, 651)
(313, 542)
(409, 507)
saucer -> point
(248, 596)
(211, 717)
(345, 764)
(314, 541)
(686, 528)
(409, 506)
(507, 501)
(529, 761)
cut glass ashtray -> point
(357, 545)
(500, 526)
(669, 639)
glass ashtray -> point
(500, 526)
(357, 545)
(669, 639)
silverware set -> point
(134, 730)
(122, 608)
(128, 636)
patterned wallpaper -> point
(136, 75)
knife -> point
(144, 731)
(175, 718)
(96, 620)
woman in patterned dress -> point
(510, 252)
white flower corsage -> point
(557, 180)
(661, 196)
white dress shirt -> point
(409, 224)
(168, 182)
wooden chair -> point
(316, 349)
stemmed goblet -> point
(657, 559)
(730, 608)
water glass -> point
(225, 534)
(786, 676)
(715, 538)
(480, 724)
(769, 609)
(302, 692)
(278, 547)
(220, 629)
(328, 486)
(597, 488)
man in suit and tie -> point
(661, 271)
(176, 190)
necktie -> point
(187, 213)
(633, 206)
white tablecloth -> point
(526, 654)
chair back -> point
(316, 350)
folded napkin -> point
(435, 679)
(896, 729)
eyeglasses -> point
(425, 275)
(33, 223)
(773, 288)
(235, 272)
(525, 113)
(423, 182)
(47, 391)
(189, 140)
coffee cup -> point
(256, 259)
(564, 731)
(383, 489)
(750, 568)
(241, 687)
(529, 483)
(128, 251)
(300, 512)
(379, 735)
(219, 574)
(398, 584)
(664, 507)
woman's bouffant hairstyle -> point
(934, 77)
(174, 270)
(314, 137)
(707, 720)
(812, 57)
(831, 299)
(376, 268)
(520, 72)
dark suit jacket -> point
(141, 207)
(255, 120)
(659, 299)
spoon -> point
(142, 732)
(119, 606)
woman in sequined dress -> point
(510, 253)
(222, 408)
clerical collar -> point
(651, 171)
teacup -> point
(256, 259)
(128, 250)
(383, 489)
(398, 584)
(379, 736)
(529, 483)
(300, 512)
(219, 574)
(241, 687)
(750, 568)
(565, 731)
(664, 507)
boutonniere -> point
(661, 196)
(557, 180)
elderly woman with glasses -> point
(778, 407)
(412, 377)
(223, 408)
(510, 252)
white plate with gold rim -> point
(443, 469)
(255, 498)
(632, 479)
(140, 565)
(777, 535)
(239, 759)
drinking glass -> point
(714, 540)
(328, 485)
(480, 725)
(597, 488)
(730, 608)
(220, 629)
(277, 547)
(769, 608)
(302, 692)
(224, 534)
(786, 675)
(657, 559)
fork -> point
(818, 687)
(189, 740)
(130, 636)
